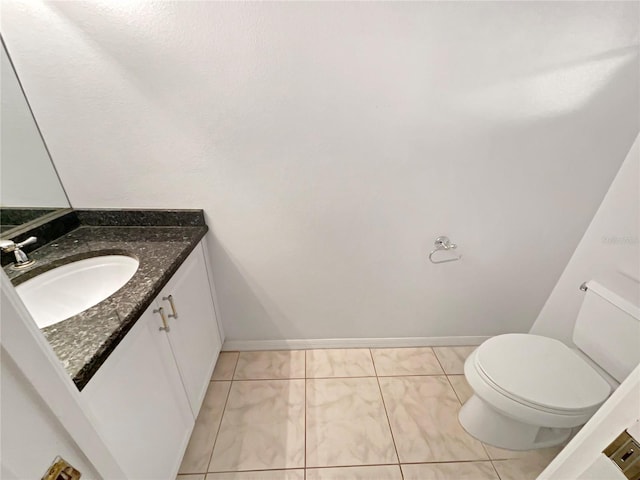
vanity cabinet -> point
(145, 397)
(188, 306)
(139, 405)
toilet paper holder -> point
(443, 243)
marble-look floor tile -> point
(262, 427)
(461, 386)
(191, 477)
(450, 471)
(496, 453)
(543, 454)
(452, 358)
(378, 472)
(347, 424)
(198, 453)
(527, 465)
(405, 361)
(270, 365)
(354, 362)
(423, 412)
(225, 366)
(297, 474)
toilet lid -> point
(541, 371)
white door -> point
(582, 457)
(193, 334)
(139, 403)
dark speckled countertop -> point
(84, 341)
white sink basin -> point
(65, 291)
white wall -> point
(31, 436)
(330, 143)
(611, 243)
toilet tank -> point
(607, 328)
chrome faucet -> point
(22, 260)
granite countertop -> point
(84, 341)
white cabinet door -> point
(193, 334)
(139, 403)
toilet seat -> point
(540, 373)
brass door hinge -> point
(61, 470)
(624, 451)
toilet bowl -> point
(531, 391)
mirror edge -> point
(14, 232)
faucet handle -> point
(9, 246)
(22, 260)
(26, 242)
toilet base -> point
(494, 428)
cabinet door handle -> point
(164, 319)
(173, 306)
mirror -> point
(30, 189)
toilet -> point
(532, 391)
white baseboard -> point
(301, 344)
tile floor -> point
(374, 414)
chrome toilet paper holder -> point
(443, 243)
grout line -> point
(494, 468)
(454, 391)
(226, 400)
(448, 381)
(235, 367)
(484, 448)
(384, 405)
(266, 379)
(354, 466)
(341, 376)
(327, 467)
(480, 460)
(249, 471)
(435, 354)
(305, 416)
(331, 378)
(214, 369)
(224, 409)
